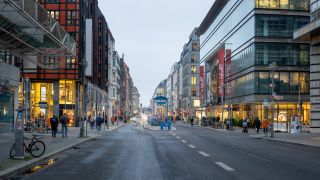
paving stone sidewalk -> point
(53, 146)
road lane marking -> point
(224, 166)
(174, 134)
(184, 141)
(203, 154)
(191, 146)
(178, 137)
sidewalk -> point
(305, 139)
(53, 146)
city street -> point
(132, 152)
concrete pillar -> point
(56, 104)
(315, 91)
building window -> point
(194, 91)
(196, 103)
(193, 80)
(193, 69)
(302, 5)
(67, 92)
(193, 57)
(113, 77)
(55, 14)
(52, 62)
(113, 92)
(43, 93)
(71, 18)
(195, 46)
(71, 63)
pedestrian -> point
(98, 122)
(191, 120)
(257, 124)
(91, 122)
(64, 120)
(265, 126)
(245, 126)
(54, 125)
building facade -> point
(239, 42)
(56, 87)
(159, 100)
(310, 33)
(189, 64)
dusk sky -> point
(151, 34)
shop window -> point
(196, 103)
(43, 93)
(67, 92)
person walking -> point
(92, 122)
(98, 123)
(191, 120)
(257, 124)
(265, 126)
(64, 120)
(54, 125)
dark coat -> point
(54, 123)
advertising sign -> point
(201, 84)
(228, 72)
(220, 71)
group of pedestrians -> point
(95, 122)
(64, 121)
(257, 125)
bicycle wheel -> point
(13, 151)
(37, 149)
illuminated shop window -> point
(67, 92)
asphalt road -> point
(187, 153)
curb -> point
(21, 166)
(286, 142)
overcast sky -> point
(151, 34)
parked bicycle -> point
(36, 147)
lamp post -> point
(273, 66)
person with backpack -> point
(64, 125)
(54, 125)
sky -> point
(151, 34)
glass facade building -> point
(239, 40)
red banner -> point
(201, 84)
(220, 71)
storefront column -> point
(28, 103)
(56, 98)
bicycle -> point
(36, 147)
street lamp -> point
(273, 66)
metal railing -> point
(42, 20)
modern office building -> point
(189, 64)
(310, 33)
(239, 41)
